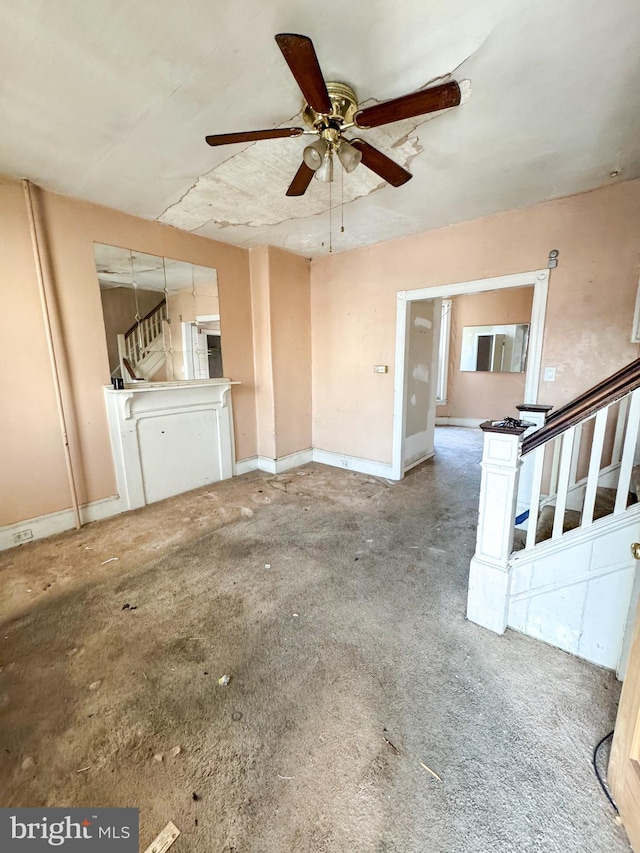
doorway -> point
(202, 345)
(411, 347)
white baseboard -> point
(419, 461)
(58, 522)
(353, 463)
(273, 466)
(284, 463)
(245, 466)
(462, 422)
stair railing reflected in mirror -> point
(161, 316)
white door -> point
(421, 379)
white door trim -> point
(538, 279)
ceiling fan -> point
(332, 108)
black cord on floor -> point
(598, 776)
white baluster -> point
(573, 473)
(553, 482)
(536, 485)
(616, 453)
(628, 453)
(564, 472)
(594, 467)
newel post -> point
(489, 573)
(536, 415)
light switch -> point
(549, 374)
(380, 368)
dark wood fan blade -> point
(253, 135)
(382, 165)
(301, 180)
(417, 104)
(300, 56)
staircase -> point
(565, 574)
(142, 349)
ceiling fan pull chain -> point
(330, 228)
(342, 201)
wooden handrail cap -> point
(493, 426)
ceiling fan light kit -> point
(349, 156)
(330, 109)
(325, 172)
(314, 154)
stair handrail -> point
(148, 316)
(602, 394)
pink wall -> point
(291, 350)
(589, 311)
(282, 350)
(260, 304)
(314, 339)
(33, 474)
(484, 395)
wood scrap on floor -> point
(164, 840)
(429, 770)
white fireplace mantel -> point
(170, 437)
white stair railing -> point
(564, 490)
(143, 338)
(600, 426)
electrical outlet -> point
(380, 368)
(549, 374)
(23, 535)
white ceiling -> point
(110, 101)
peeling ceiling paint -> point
(233, 193)
(110, 102)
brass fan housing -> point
(344, 104)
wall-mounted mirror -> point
(496, 349)
(161, 316)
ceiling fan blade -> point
(300, 56)
(301, 180)
(253, 135)
(417, 104)
(382, 165)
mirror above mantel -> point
(161, 316)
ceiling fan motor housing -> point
(344, 104)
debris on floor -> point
(375, 481)
(429, 770)
(164, 840)
(224, 680)
(280, 483)
(176, 751)
(393, 746)
(110, 560)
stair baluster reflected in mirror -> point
(161, 317)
